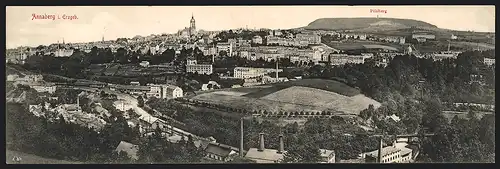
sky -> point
(114, 22)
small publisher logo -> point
(53, 17)
(378, 11)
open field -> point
(33, 159)
(433, 46)
(130, 70)
(253, 104)
(321, 98)
(322, 95)
(472, 45)
(9, 71)
(14, 93)
(9, 87)
(328, 85)
(346, 46)
(375, 46)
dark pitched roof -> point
(218, 150)
(129, 148)
(266, 156)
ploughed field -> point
(308, 95)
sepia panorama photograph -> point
(250, 84)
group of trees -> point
(414, 89)
(463, 140)
(63, 140)
(320, 133)
(193, 81)
(230, 109)
(74, 65)
(231, 62)
(408, 76)
(157, 149)
(245, 35)
(124, 56)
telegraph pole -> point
(277, 68)
(449, 46)
(380, 145)
(241, 137)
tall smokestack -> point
(282, 146)
(171, 130)
(277, 69)
(241, 137)
(78, 103)
(261, 147)
(213, 56)
(380, 151)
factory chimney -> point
(213, 56)
(282, 147)
(261, 142)
(78, 103)
(171, 130)
(241, 137)
(277, 69)
(380, 151)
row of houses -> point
(445, 55)
(300, 40)
(192, 66)
(342, 59)
(162, 91)
(454, 54)
(266, 155)
(224, 153)
(398, 152)
(34, 81)
(273, 53)
(488, 61)
(250, 72)
(70, 112)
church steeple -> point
(192, 27)
(192, 23)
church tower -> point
(192, 25)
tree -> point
(133, 57)
(223, 53)
(121, 56)
(140, 101)
(434, 118)
(120, 158)
(367, 113)
(303, 152)
(168, 56)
